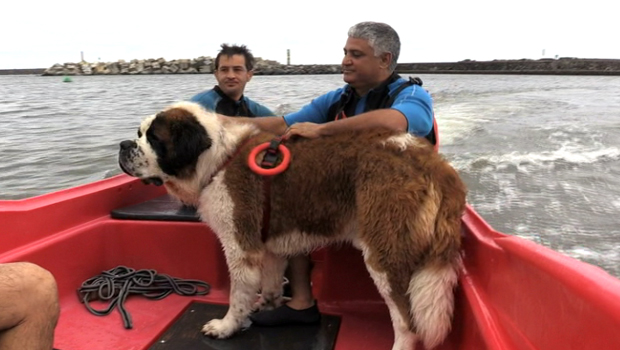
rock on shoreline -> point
(204, 65)
(200, 65)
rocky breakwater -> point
(548, 66)
(203, 65)
(134, 67)
(200, 65)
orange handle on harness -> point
(286, 159)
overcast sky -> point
(38, 34)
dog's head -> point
(169, 144)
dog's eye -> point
(139, 133)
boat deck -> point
(512, 294)
(188, 250)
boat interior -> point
(79, 232)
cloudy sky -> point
(38, 34)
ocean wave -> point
(10, 107)
(567, 154)
(606, 257)
(458, 121)
(283, 109)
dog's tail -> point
(431, 288)
(431, 295)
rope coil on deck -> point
(117, 284)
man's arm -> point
(386, 118)
(274, 125)
(279, 125)
(416, 105)
(411, 112)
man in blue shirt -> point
(233, 70)
(374, 97)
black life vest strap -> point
(375, 99)
(348, 101)
(230, 107)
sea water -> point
(540, 154)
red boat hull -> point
(513, 293)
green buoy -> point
(67, 80)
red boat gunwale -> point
(513, 293)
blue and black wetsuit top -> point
(404, 95)
(216, 100)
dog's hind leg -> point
(404, 338)
(245, 282)
(272, 275)
(421, 308)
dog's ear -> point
(178, 139)
(190, 140)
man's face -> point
(361, 69)
(231, 75)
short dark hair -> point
(229, 51)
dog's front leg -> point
(272, 277)
(245, 277)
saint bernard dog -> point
(389, 194)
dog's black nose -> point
(127, 144)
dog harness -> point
(276, 159)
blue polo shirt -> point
(414, 102)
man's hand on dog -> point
(307, 130)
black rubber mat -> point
(163, 208)
(185, 333)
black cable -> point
(117, 284)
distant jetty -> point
(204, 65)
(545, 66)
(26, 71)
(200, 65)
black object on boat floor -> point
(185, 333)
(115, 285)
(163, 208)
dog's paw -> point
(258, 305)
(268, 302)
(276, 301)
(219, 329)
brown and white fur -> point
(388, 194)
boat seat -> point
(163, 208)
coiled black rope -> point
(117, 284)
